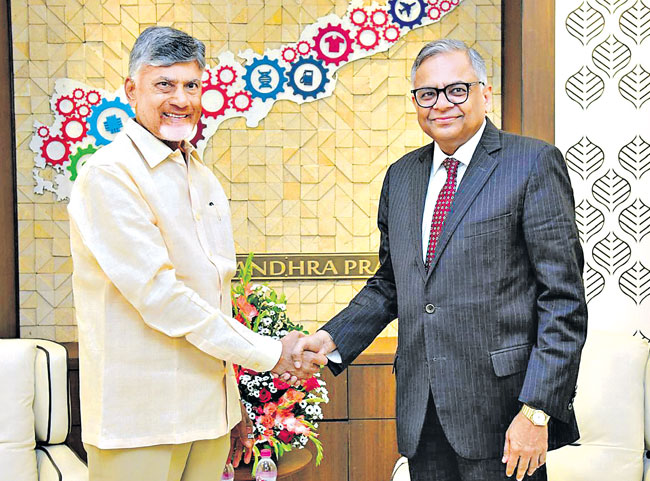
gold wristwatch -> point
(536, 416)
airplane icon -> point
(406, 8)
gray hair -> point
(165, 46)
(448, 45)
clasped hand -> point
(302, 356)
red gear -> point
(434, 13)
(355, 13)
(375, 14)
(239, 95)
(46, 156)
(43, 131)
(93, 97)
(293, 54)
(68, 121)
(391, 33)
(219, 75)
(225, 100)
(199, 133)
(78, 94)
(60, 101)
(368, 46)
(83, 110)
(325, 57)
(303, 47)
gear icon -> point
(199, 133)
(215, 101)
(379, 17)
(226, 75)
(43, 131)
(367, 38)
(78, 94)
(83, 110)
(359, 17)
(434, 13)
(55, 150)
(311, 75)
(265, 78)
(405, 14)
(78, 159)
(107, 120)
(328, 44)
(303, 47)
(391, 33)
(289, 54)
(74, 129)
(93, 97)
(65, 105)
(242, 101)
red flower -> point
(245, 308)
(280, 384)
(265, 395)
(311, 384)
(285, 436)
(266, 421)
(270, 409)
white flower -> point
(272, 388)
(245, 378)
(303, 404)
(310, 410)
(303, 439)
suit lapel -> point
(477, 174)
(418, 192)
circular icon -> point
(379, 18)
(367, 38)
(359, 17)
(226, 75)
(93, 97)
(65, 105)
(391, 33)
(43, 131)
(289, 54)
(308, 77)
(407, 13)
(83, 110)
(242, 101)
(434, 13)
(108, 119)
(74, 129)
(303, 47)
(214, 101)
(333, 44)
(55, 150)
(265, 78)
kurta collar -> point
(152, 148)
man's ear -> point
(487, 97)
(129, 90)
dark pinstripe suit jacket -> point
(510, 316)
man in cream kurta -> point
(153, 253)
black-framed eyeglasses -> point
(457, 93)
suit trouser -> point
(436, 460)
(196, 461)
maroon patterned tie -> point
(443, 206)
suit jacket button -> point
(429, 308)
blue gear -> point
(395, 4)
(275, 66)
(324, 78)
(97, 111)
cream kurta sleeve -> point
(120, 230)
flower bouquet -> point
(284, 417)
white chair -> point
(612, 406)
(401, 470)
(35, 413)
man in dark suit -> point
(481, 263)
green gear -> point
(77, 156)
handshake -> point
(302, 356)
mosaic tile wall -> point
(306, 180)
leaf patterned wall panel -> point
(585, 87)
(585, 23)
(635, 157)
(635, 22)
(602, 124)
(611, 56)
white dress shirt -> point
(153, 255)
(438, 177)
